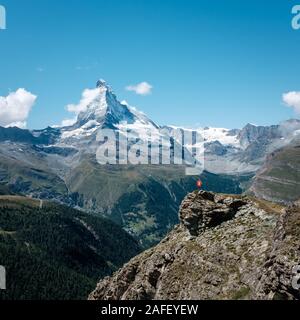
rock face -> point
(200, 213)
(251, 133)
(285, 255)
(226, 247)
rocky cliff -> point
(226, 247)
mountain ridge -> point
(226, 247)
(229, 151)
(278, 179)
(60, 164)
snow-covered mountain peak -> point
(104, 109)
(103, 86)
(101, 83)
(226, 150)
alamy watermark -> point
(2, 278)
(296, 18)
(155, 147)
(2, 18)
(296, 278)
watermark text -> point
(2, 278)
(2, 18)
(143, 147)
(296, 278)
(296, 18)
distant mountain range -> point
(226, 150)
(60, 164)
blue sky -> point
(211, 63)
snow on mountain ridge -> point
(222, 135)
(212, 134)
(106, 111)
(226, 150)
(105, 107)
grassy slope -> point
(279, 180)
(24, 177)
(143, 199)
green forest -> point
(52, 252)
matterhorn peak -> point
(104, 87)
(101, 83)
(104, 109)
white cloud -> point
(87, 97)
(68, 122)
(143, 88)
(292, 99)
(15, 108)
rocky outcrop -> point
(204, 211)
(226, 247)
